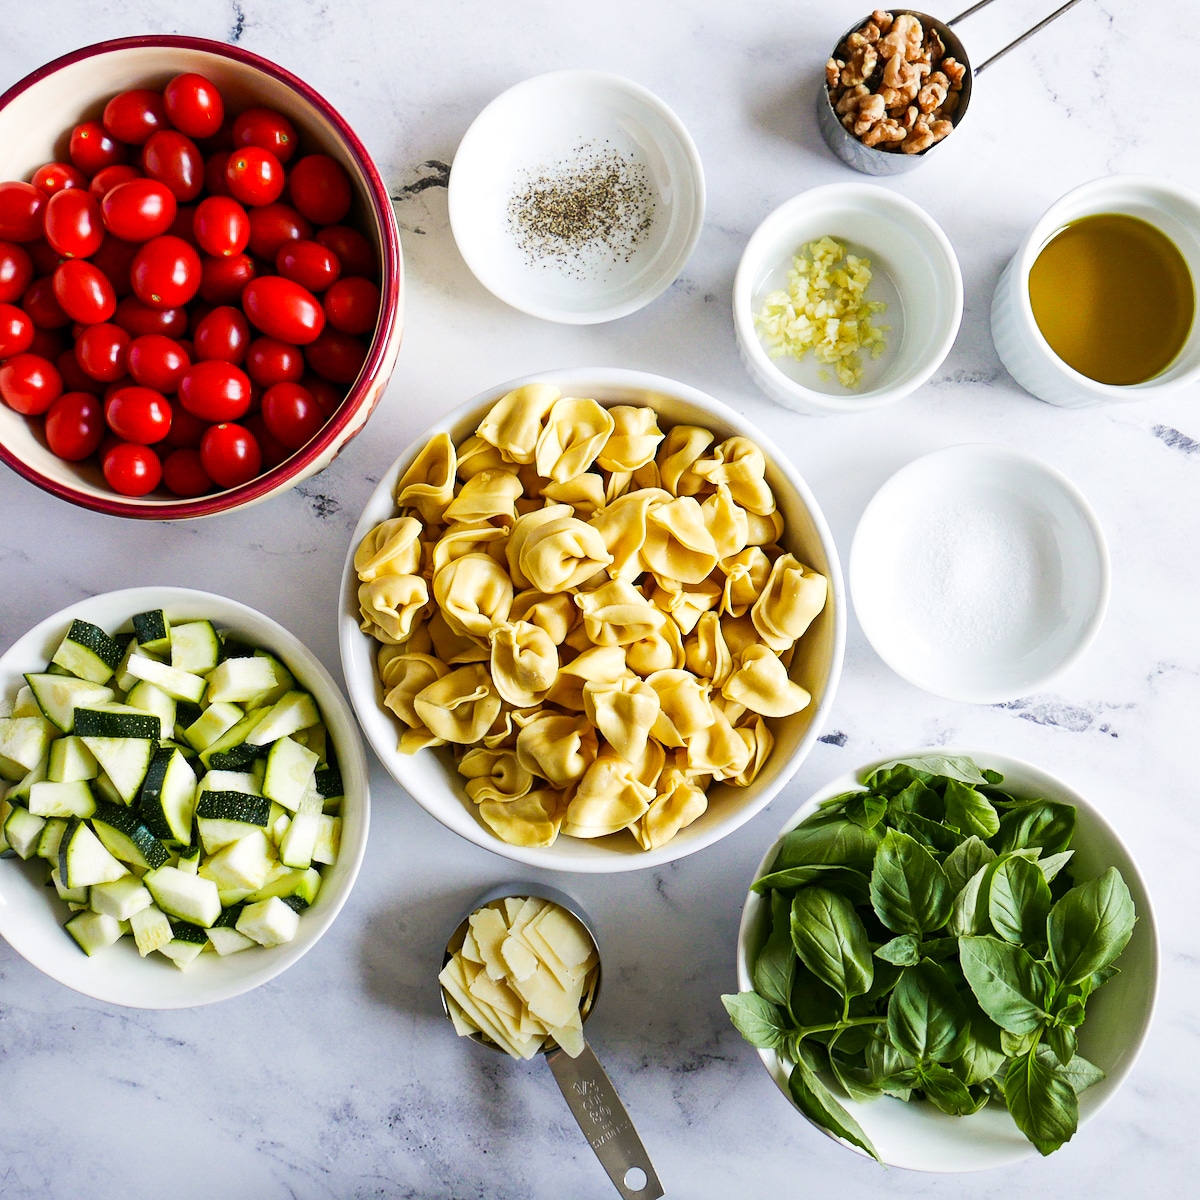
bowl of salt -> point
(979, 573)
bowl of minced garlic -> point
(847, 297)
(592, 621)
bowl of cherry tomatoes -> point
(200, 279)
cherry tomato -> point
(215, 391)
(215, 182)
(74, 227)
(186, 430)
(16, 330)
(22, 212)
(102, 351)
(320, 188)
(132, 470)
(91, 148)
(273, 226)
(221, 226)
(57, 177)
(326, 395)
(335, 356)
(283, 309)
(138, 414)
(115, 258)
(16, 271)
(157, 362)
(84, 292)
(291, 414)
(108, 178)
(29, 384)
(74, 377)
(269, 361)
(273, 451)
(194, 105)
(139, 210)
(166, 272)
(42, 305)
(184, 474)
(223, 334)
(230, 454)
(309, 264)
(224, 279)
(255, 176)
(138, 318)
(75, 426)
(352, 305)
(173, 159)
(135, 115)
(267, 129)
(353, 250)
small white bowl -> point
(542, 124)
(32, 916)
(917, 1136)
(1025, 352)
(915, 272)
(1008, 521)
(429, 776)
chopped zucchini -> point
(23, 831)
(116, 721)
(179, 685)
(121, 898)
(127, 838)
(70, 760)
(182, 954)
(195, 647)
(74, 799)
(187, 897)
(58, 696)
(269, 922)
(290, 770)
(241, 679)
(24, 743)
(153, 631)
(297, 710)
(151, 930)
(152, 699)
(168, 796)
(88, 652)
(83, 860)
(229, 941)
(94, 931)
(125, 760)
(211, 725)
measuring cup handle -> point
(601, 1116)
(1013, 44)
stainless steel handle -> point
(601, 1116)
(1014, 44)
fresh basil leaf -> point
(817, 1103)
(844, 879)
(928, 832)
(1071, 1012)
(814, 1002)
(890, 1070)
(982, 1054)
(939, 949)
(969, 811)
(1011, 987)
(902, 951)
(926, 1019)
(946, 1091)
(1090, 926)
(837, 841)
(865, 810)
(835, 804)
(964, 860)
(968, 913)
(955, 767)
(853, 1078)
(1037, 823)
(916, 800)
(991, 778)
(1042, 1101)
(756, 1019)
(831, 941)
(895, 778)
(1062, 1040)
(1014, 1045)
(887, 975)
(1096, 980)
(775, 968)
(1018, 901)
(1053, 863)
(909, 889)
(1079, 1073)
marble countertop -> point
(341, 1078)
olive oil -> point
(1114, 297)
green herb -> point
(927, 942)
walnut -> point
(882, 19)
(833, 72)
(941, 129)
(870, 31)
(919, 138)
(860, 66)
(870, 110)
(954, 71)
(933, 95)
(911, 113)
(884, 132)
(850, 100)
(935, 47)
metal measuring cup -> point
(872, 161)
(588, 1091)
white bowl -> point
(430, 777)
(916, 1135)
(542, 123)
(1025, 352)
(915, 272)
(32, 916)
(1010, 521)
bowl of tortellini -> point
(592, 620)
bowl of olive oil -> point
(1098, 305)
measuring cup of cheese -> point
(521, 974)
(1098, 304)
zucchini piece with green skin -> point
(126, 837)
(117, 721)
(234, 806)
(150, 698)
(328, 782)
(297, 710)
(58, 696)
(74, 799)
(185, 897)
(83, 860)
(151, 930)
(121, 677)
(179, 685)
(290, 770)
(23, 831)
(70, 760)
(185, 931)
(230, 781)
(232, 741)
(104, 789)
(182, 954)
(168, 796)
(296, 903)
(51, 838)
(285, 881)
(195, 647)
(121, 898)
(69, 895)
(88, 652)
(24, 742)
(6, 851)
(125, 761)
(153, 631)
(229, 941)
(241, 679)
(212, 725)
(232, 647)
(296, 849)
(94, 931)
(189, 860)
(269, 922)
(19, 792)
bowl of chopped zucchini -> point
(183, 798)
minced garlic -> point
(825, 310)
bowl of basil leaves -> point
(947, 961)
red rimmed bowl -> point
(36, 116)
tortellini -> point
(594, 616)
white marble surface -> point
(341, 1079)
